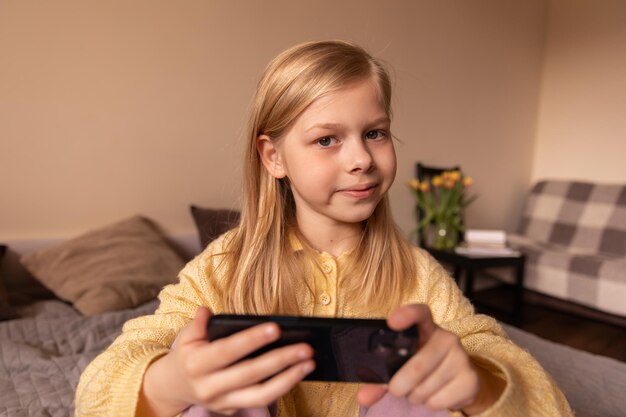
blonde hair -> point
(259, 259)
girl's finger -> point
(259, 395)
(454, 395)
(253, 371)
(413, 315)
(421, 365)
(221, 353)
(368, 394)
(196, 328)
(433, 382)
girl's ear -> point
(270, 156)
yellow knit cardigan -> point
(110, 385)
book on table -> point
(485, 243)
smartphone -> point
(346, 350)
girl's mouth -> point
(359, 192)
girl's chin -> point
(356, 216)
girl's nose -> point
(360, 159)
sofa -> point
(574, 236)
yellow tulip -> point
(468, 181)
(424, 187)
(437, 181)
(413, 184)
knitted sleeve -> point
(529, 391)
(111, 383)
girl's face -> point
(338, 156)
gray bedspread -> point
(42, 357)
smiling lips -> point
(359, 191)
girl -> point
(316, 238)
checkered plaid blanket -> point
(574, 236)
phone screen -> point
(346, 350)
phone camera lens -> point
(404, 352)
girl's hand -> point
(440, 375)
(199, 372)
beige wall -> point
(113, 108)
(582, 120)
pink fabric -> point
(398, 407)
(196, 411)
(387, 406)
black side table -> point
(470, 264)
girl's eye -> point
(374, 134)
(326, 141)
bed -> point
(42, 356)
(45, 349)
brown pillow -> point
(211, 223)
(6, 310)
(113, 268)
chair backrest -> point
(426, 173)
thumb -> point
(196, 329)
(368, 394)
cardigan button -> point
(324, 299)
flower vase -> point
(446, 236)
